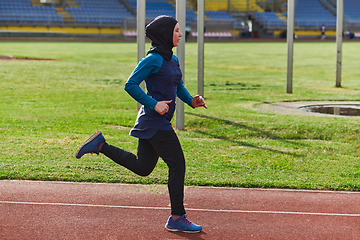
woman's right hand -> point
(162, 107)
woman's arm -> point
(184, 95)
(147, 66)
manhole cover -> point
(346, 110)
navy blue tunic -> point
(163, 82)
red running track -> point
(61, 210)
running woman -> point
(161, 71)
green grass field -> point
(49, 108)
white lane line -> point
(190, 209)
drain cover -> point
(346, 110)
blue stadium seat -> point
(270, 19)
(190, 16)
(219, 15)
(155, 8)
(308, 13)
(22, 11)
(99, 11)
(352, 11)
(93, 11)
(311, 14)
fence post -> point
(290, 44)
(200, 41)
(339, 37)
(180, 52)
(140, 26)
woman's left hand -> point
(198, 101)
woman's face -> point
(177, 35)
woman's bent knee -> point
(144, 173)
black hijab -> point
(160, 31)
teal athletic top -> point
(163, 82)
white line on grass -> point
(190, 209)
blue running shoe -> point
(182, 225)
(91, 145)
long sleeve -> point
(183, 94)
(147, 66)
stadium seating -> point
(270, 19)
(190, 16)
(329, 5)
(352, 11)
(214, 5)
(22, 12)
(245, 5)
(155, 8)
(219, 14)
(102, 12)
(98, 12)
(311, 14)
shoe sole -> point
(86, 142)
(177, 230)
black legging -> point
(164, 144)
